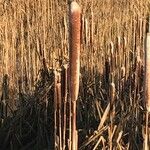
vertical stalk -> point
(59, 114)
(147, 72)
(112, 112)
(55, 109)
(65, 101)
(75, 27)
(147, 84)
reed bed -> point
(34, 56)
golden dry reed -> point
(147, 61)
(75, 27)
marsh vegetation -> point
(34, 51)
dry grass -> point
(111, 106)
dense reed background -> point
(35, 32)
(31, 30)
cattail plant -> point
(147, 83)
(147, 73)
(74, 43)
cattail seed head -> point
(75, 27)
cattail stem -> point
(147, 73)
(112, 111)
(75, 26)
(55, 108)
(65, 106)
(147, 86)
(59, 114)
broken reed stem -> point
(74, 43)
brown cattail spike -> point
(75, 27)
(75, 13)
